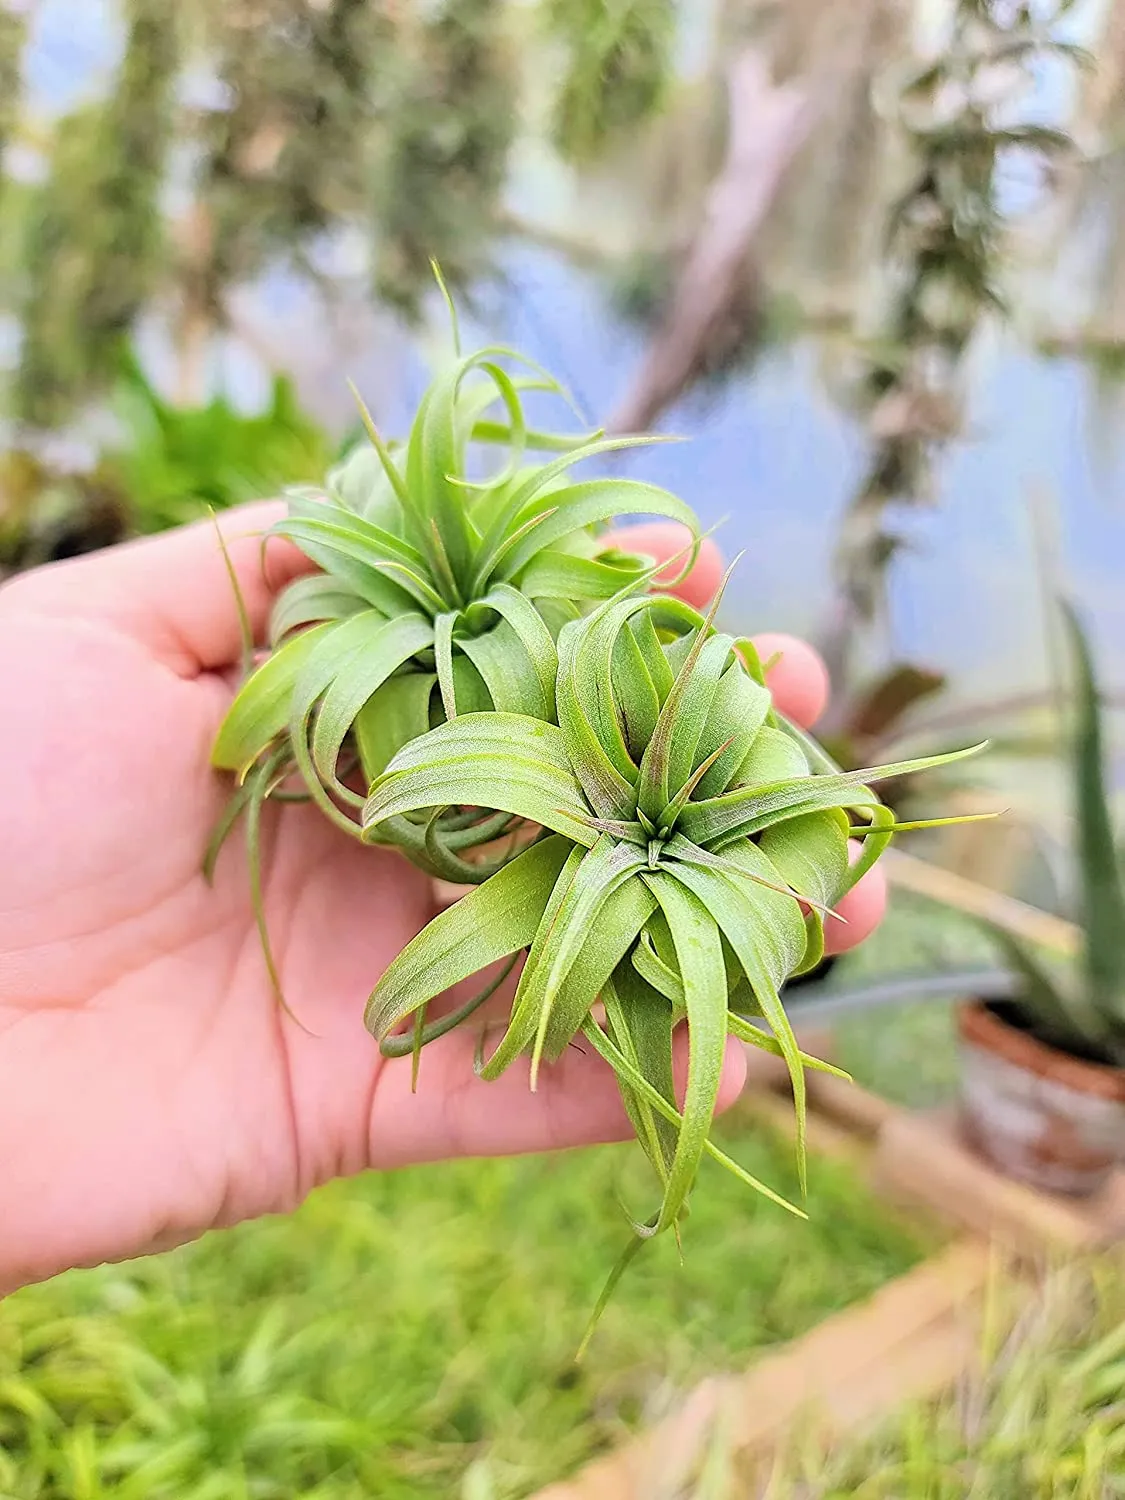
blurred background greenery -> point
(870, 258)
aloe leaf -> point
(700, 956)
(749, 809)
(506, 762)
(260, 711)
(393, 716)
(1103, 897)
(393, 644)
(1060, 1014)
(488, 924)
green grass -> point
(401, 1331)
(1040, 1419)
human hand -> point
(151, 1087)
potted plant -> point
(1043, 1093)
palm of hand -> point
(134, 1003)
(150, 1085)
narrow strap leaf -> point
(620, 1064)
(700, 957)
(611, 934)
(486, 925)
(752, 808)
(260, 710)
(409, 1044)
(389, 648)
(505, 762)
(592, 502)
(537, 640)
(764, 947)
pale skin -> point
(150, 1086)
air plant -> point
(692, 842)
(478, 679)
(439, 594)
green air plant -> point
(1081, 1010)
(439, 594)
(480, 679)
(692, 842)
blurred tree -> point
(946, 267)
(617, 64)
(94, 240)
(449, 120)
(11, 49)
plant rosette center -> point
(691, 844)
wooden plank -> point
(848, 1105)
(909, 1340)
(920, 1158)
(823, 1135)
(976, 900)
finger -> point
(798, 679)
(454, 1113)
(667, 539)
(862, 910)
(173, 592)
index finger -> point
(797, 677)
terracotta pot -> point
(1040, 1115)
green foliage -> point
(451, 116)
(946, 243)
(676, 821)
(439, 593)
(685, 820)
(12, 30)
(94, 240)
(618, 63)
(1041, 1416)
(288, 157)
(400, 1328)
(175, 463)
(1083, 1012)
